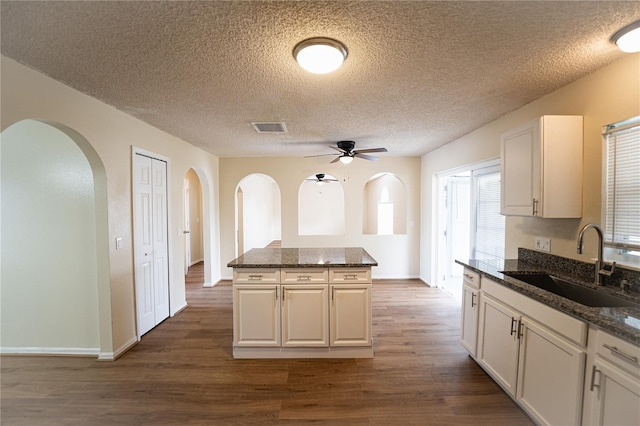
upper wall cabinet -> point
(542, 168)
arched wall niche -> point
(384, 205)
(321, 207)
(55, 243)
(258, 212)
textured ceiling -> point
(418, 74)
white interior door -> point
(150, 241)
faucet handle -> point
(605, 272)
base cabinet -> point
(304, 316)
(350, 315)
(470, 312)
(256, 315)
(298, 314)
(538, 367)
(612, 381)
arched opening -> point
(56, 295)
(384, 205)
(192, 220)
(258, 212)
(321, 206)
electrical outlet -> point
(543, 244)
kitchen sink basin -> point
(577, 293)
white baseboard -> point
(88, 352)
(193, 262)
(112, 356)
(179, 308)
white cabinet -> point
(539, 367)
(256, 315)
(612, 388)
(470, 311)
(498, 346)
(304, 315)
(350, 315)
(541, 168)
(302, 312)
(550, 375)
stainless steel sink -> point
(577, 293)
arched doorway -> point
(56, 295)
(192, 220)
(258, 212)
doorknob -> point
(185, 232)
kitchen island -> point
(302, 303)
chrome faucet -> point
(601, 270)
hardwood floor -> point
(182, 373)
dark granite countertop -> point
(621, 322)
(343, 257)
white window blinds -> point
(622, 197)
(489, 233)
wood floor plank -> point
(183, 373)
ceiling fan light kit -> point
(345, 159)
(320, 55)
(628, 38)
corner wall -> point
(29, 94)
(608, 95)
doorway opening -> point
(258, 212)
(192, 221)
(469, 224)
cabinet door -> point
(469, 326)
(550, 376)
(351, 315)
(498, 343)
(305, 315)
(256, 315)
(520, 170)
(613, 395)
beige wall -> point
(396, 254)
(605, 96)
(111, 133)
(49, 280)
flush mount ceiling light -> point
(320, 55)
(628, 38)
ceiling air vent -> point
(269, 127)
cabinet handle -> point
(520, 328)
(473, 296)
(513, 322)
(255, 277)
(304, 277)
(350, 276)
(593, 378)
(468, 276)
(535, 207)
(276, 294)
(622, 354)
(333, 290)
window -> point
(489, 223)
(622, 189)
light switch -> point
(118, 243)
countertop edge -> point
(592, 315)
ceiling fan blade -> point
(335, 160)
(337, 149)
(366, 157)
(319, 155)
(371, 150)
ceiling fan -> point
(347, 152)
(321, 179)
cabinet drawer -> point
(306, 275)
(350, 275)
(619, 352)
(256, 275)
(471, 278)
